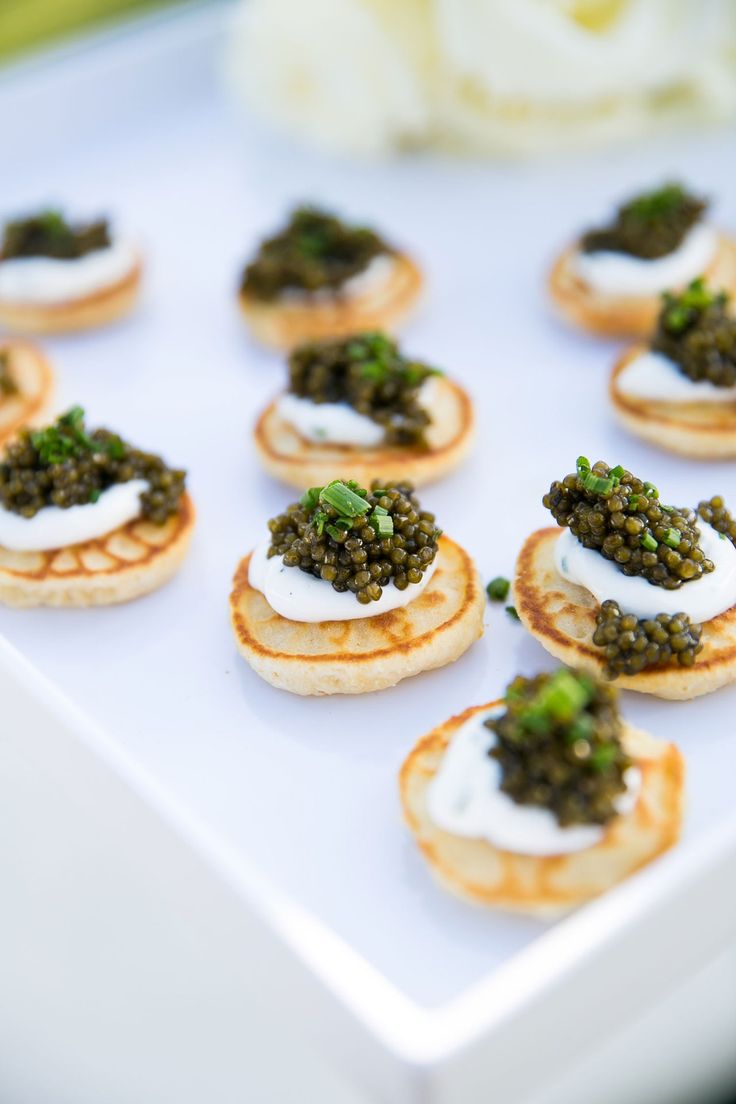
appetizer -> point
(87, 519)
(353, 590)
(26, 387)
(358, 406)
(57, 276)
(610, 281)
(632, 588)
(542, 800)
(679, 392)
(320, 277)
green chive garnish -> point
(338, 495)
(603, 756)
(310, 498)
(582, 464)
(616, 473)
(511, 611)
(597, 484)
(382, 523)
(650, 490)
(498, 589)
(672, 538)
(648, 542)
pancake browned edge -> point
(288, 456)
(624, 315)
(285, 323)
(702, 430)
(371, 653)
(128, 562)
(32, 375)
(87, 312)
(562, 616)
(552, 884)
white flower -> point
(368, 76)
(330, 71)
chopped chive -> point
(582, 464)
(672, 537)
(310, 498)
(616, 473)
(379, 510)
(383, 524)
(597, 484)
(343, 499)
(648, 542)
(603, 756)
(94, 495)
(650, 490)
(511, 611)
(634, 501)
(498, 589)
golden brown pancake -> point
(371, 653)
(624, 315)
(552, 884)
(32, 375)
(703, 430)
(562, 616)
(288, 456)
(287, 322)
(131, 561)
(86, 312)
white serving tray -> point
(284, 811)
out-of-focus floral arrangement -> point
(368, 77)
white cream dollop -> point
(621, 274)
(329, 423)
(53, 527)
(52, 280)
(339, 423)
(373, 278)
(701, 599)
(297, 596)
(466, 799)
(655, 377)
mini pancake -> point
(99, 308)
(371, 653)
(288, 456)
(562, 616)
(130, 561)
(702, 430)
(546, 885)
(624, 315)
(34, 379)
(286, 322)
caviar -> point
(48, 234)
(620, 516)
(357, 540)
(64, 465)
(714, 512)
(650, 225)
(559, 746)
(315, 251)
(632, 644)
(368, 372)
(8, 386)
(696, 331)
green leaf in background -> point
(26, 24)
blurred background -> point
(353, 82)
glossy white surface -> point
(300, 597)
(231, 747)
(621, 274)
(465, 798)
(654, 376)
(41, 280)
(53, 527)
(701, 599)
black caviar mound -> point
(65, 465)
(649, 225)
(632, 644)
(696, 332)
(48, 234)
(315, 251)
(368, 372)
(559, 746)
(620, 516)
(357, 540)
